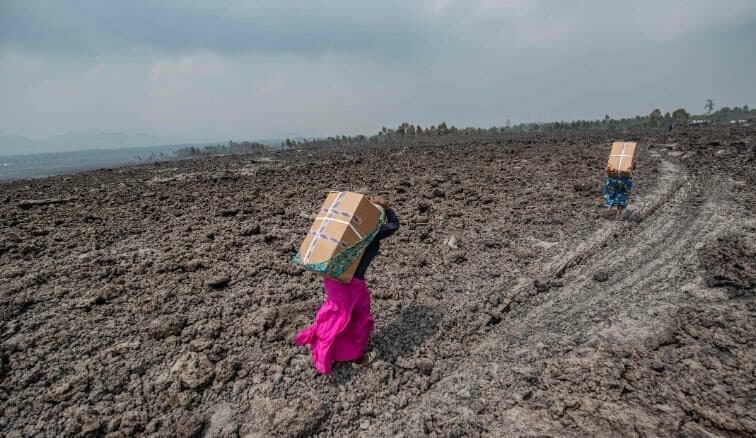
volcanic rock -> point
(193, 369)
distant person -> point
(669, 129)
(343, 324)
(616, 190)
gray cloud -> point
(249, 69)
(83, 26)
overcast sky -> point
(211, 70)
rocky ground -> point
(160, 300)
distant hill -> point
(15, 144)
(74, 141)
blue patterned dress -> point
(617, 190)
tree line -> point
(405, 131)
(655, 119)
(244, 147)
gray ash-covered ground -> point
(161, 300)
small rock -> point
(15, 272)
(657, 366)
(541, 286)
(200, 344)
(221, 423)
(251, 230)
(291, 247)
(403, 362)
(133, 421)
(113, 424)
(633, 216)
(152, 426)
(193, 265)
(451, 242)
(39, 232)
(438, 193)
(632, 375)
(425, 366)
(91, 427)
(193, 369)
(491, 243)
(225, 370)
(601, 276)
(383, 294)
(464, 393)
(167, 325)
(219, 281)
(190, 426)
(270, 238)
(455, 257)
(524, 253)
(259, 321)
(230, 212)
(68, 388)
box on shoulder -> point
(344, 226)
(622, 159)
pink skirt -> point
(342, 325)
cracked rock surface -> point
(160, 300)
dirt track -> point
(161, 300)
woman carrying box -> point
(619, 171)
(616, 191)
(343, 324)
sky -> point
(243, 69)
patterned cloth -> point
(339, 263)
(342, 325)
(617, 190)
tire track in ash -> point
(648, 260)
(577, 253)
(576, 256)
(660, 251)
(645, 261)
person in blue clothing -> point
(343, 324)
(617, 190)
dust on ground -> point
(161, 300)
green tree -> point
(680, 115)
(709, 106)
(655, 118)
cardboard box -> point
(621, 159)
(344, 226)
